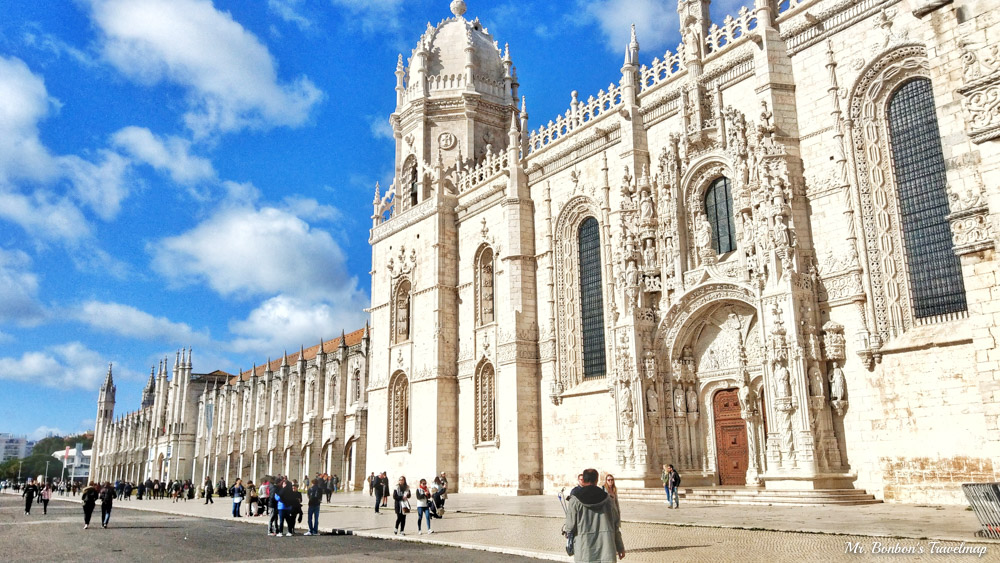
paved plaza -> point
(502, 528)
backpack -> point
(678, 478)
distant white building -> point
(77, 462)
(13, 447)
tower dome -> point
(460, 54)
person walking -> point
(209, 491)
(272, 506)
(371, 484)
(46, 496)
(252, 498)
(436, 497)
(401, 504)
(444, 490)
(671, 480)
(315, 494)
(283, 498)
(29, 494)
(612, 490)
(423, 510)
(594, 523)
(89, 498)
(385, 489)
(293, 504)
(237, 493)
(379, 491)
(107, 500)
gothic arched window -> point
(591, 298)
(399, 411)
(935, 271)
(357, 385)
(719, 211)
(401, 312)
(414, 185)
(486, 428)
(484, 288)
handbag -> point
(405, 504)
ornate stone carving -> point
(981, 92)
(402, 264)
(834, 341)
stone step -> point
(755, 496)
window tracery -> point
(891, 305)
(719, 212)
(401, 312)
(357, 386)
(934, 270)
(399, 411)
(591, 298)
(484, 286)
(485, 408)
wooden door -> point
(732, 454)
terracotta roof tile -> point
(329, 346)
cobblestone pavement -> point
(645, 541)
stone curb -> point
(347, 532)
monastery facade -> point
(302, 414)
(767, 258)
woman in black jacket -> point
(107, 499)
(89, 498)
(401, 504)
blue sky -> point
(198, 173)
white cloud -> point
(28, 169)
(130, 322)
(372, 15)
(53, 44)
(44, 215)
(285, 322)
(66, 365)
(167, 154)
(45, 432)
(655, 22)
(25, 103)
(102, 186)
(246, 251)
(18, 290)
(380, 127)
(289, 10)
(230, 76)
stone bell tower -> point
(455, 95)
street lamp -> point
(46, 472)
(19, 463)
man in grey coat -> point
(594, 521)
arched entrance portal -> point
(730, 438)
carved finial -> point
(634, 43)
(458, 8)
(524, 107)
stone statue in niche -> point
(815, 381)
(782, 237)
(782, 381)
(748, 401)
(703, 232)
(649, 255)
(838, 383)
(652, 403)
(692, 400)
(625, 405)
(678, 400)
(646, 208)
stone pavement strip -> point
(529, 526)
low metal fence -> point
(985, 501)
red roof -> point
(350, 338)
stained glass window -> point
(719, 211)
(934, 270)
(591, 299)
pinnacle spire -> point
(109, 381)
(284, 359)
